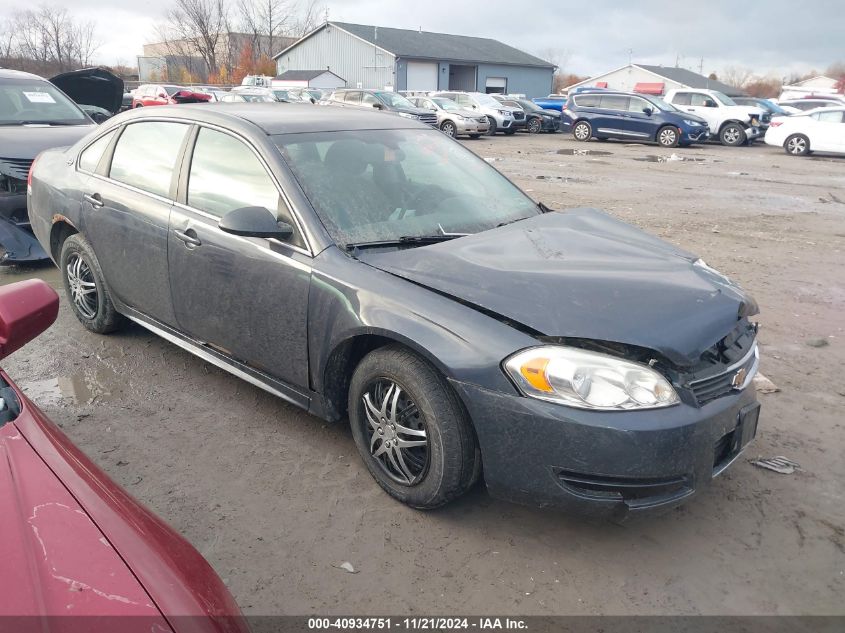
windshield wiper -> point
(404, 240)
(46, 123)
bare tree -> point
(265, 21)
(198, 26)
(737, 76)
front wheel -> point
(85, 287)
(582, 131)
(510, 130)
(732, 135)
(449, 129)
(534, 126)
(668, 136)
(492, 130)
(411, 430)
(797, 145)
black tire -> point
(535, 125)
(510, 130)
(449, 128)
(474, 135)
(732, 135)
(668, 136)
(582, 131)
(139, 105)
(452, 460)
(79, 266)
(492, 130)
(797, 145)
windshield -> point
(446, 104)
(258, 98)
(528, 105)
(660, 103)
(381, 185)
(725, 99)
(394, 100)
(26, 101)
(771, 106)
(487, 100)
(172, 90)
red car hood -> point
(74, 542)
(189, 96)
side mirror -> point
(27, 308)
(709, 103)
(648, 111)
(255, 222)
(378, 106)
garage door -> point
(496, 85)
(422, 76)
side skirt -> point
(210, 355)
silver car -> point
(502, 118)
(452, 119)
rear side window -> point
(830, 117)
(91, 155)
(682, 98)
(145, 155)
(586, 101)
(614, 102)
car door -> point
(246, 297)
(827, 131)
(611, 116)
(707, 108)
(638, 122)
(126, 212)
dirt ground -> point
(276, 500)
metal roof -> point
(691, 79)
(304, 75)
(437, 46)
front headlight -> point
(408, 115)
(588, 380)
(503, 112)
(692, 123)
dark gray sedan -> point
(369, 267)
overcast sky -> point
(771, 36)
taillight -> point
(775, 123)
(29, 177)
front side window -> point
(381, 185)
(368, 99)
(146, 153)
(638, 105)
(705, 101)
(226, 175)
(91, 155)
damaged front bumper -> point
(605, 463)
(17, 243)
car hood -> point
(689, 116)
(92, 86)
(581, 274)
(55, 558)
(189, 96)
(20, 144)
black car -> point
(384, 100)
(536, 118)
(98, 91)
(34, 115)
(370, 267)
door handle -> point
(93, 199)
(188, 237)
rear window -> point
(145, 155)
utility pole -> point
(701, 66)
(630, 55)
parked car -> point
(811, 103)
(627, 115)
(502, 118)
(820, 130)
(382, 100)
(166, 94)
(34, 115)
(97, 91)
(366, 266)
(767, 105)
(552, 102)
(536, 118)
(75, 544)
(452, 119)
(250, 95)
(215, 94)
(729, 122)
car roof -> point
(8, 73)
(276, 118)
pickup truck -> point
(552, 102)
(731, 123)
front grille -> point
(15, 167)
(481, 119)
(734, 378)
(430, 119)
(639, 491)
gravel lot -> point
(276, 500)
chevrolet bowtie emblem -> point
(739, 378)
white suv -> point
(502, 118)
(733, 124)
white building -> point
(655, 80)
(324, 79)
(818, 85)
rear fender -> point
(19, 244)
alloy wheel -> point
(398, 437)
(83, 288)
(731, 135)
(668, 137)
(582, 132)
(796, 145)
(449, 129)
(534, 126)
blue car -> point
(552, 102)
(610, 114)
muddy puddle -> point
(673, 158)
(584, 152)
(83, 388)
(46, 271)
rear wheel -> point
(411, 430)
(797, 145)
(449, 129)
(732, 135)
(492, 130)
(668, 136)
(582, 131)
(86, 288)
